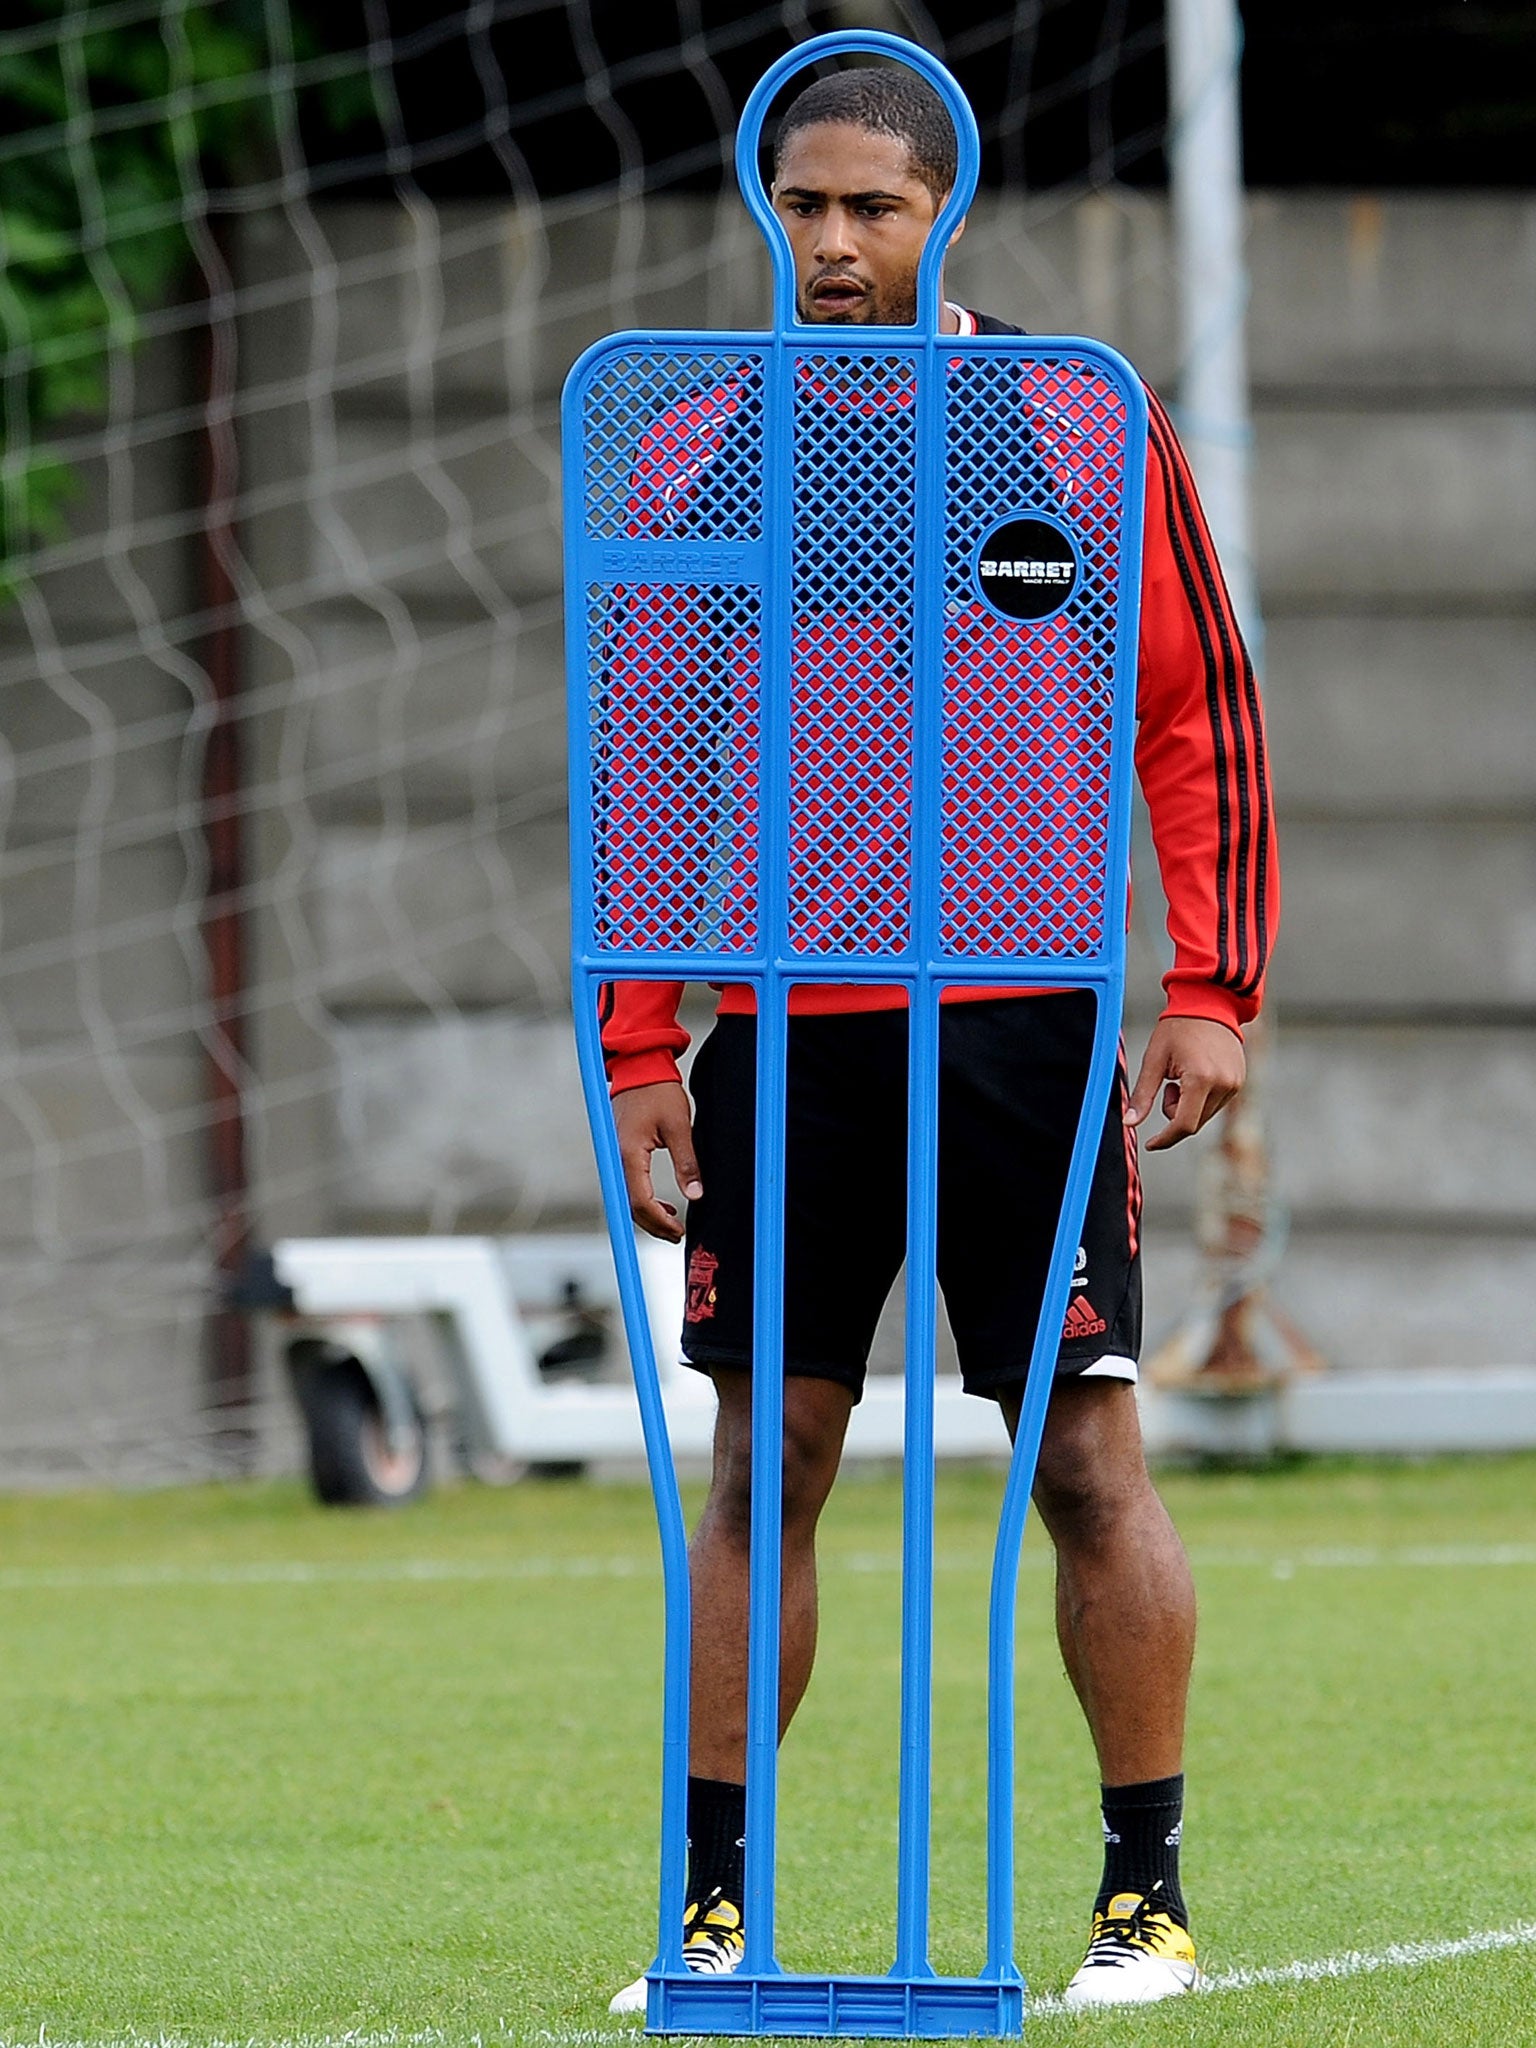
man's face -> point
(857, 216)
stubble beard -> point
(894, 305)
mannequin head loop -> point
(869, 42)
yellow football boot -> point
(713, 1943)
(1136, 1955)
(713, 1946)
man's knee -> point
(815, 1420)
(1091, 1468)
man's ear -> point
(959, 229)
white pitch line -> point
(384, 2037)
(435, 1571)
(378, 1571)
(1412, 1556)
(1353, 1962)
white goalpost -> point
(1232, 1339)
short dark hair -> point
(887, 99)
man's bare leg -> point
(815, 1420)
(1125, 1601)
(1125, 1618)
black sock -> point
(1142, 1826)
(717, 1828)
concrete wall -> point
(1394, 353)
(400, 372)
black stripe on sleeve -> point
(1241, 692)
(1212, 699)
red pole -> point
(228, 1362)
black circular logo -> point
(1026, 569)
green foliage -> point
(111, 136)
(273, 1772)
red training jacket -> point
(1200, 758)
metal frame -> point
(761, 1998)
(470, 1289)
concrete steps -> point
(1389, 1141)
(406, 758)
(1396, 494)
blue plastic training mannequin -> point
(843, 604)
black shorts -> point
(1011, 1075)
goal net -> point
(287, 293)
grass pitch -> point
(272, 1772)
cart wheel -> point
(352, 1459)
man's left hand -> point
(1199, 1066)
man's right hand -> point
(656, 1119)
